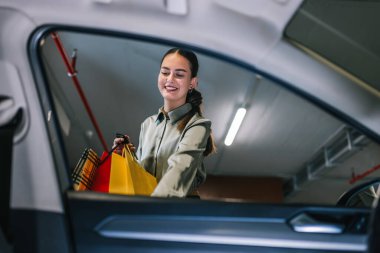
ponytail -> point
(194, 97)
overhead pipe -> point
(71, 72)
(329, 156)
(364, 174)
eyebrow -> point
(166, 68)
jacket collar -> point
(173, 115)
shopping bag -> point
(122, 174)
(143, 182)
(85, 170)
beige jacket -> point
(175, 158)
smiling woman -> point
(174, 142)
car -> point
(74, 73)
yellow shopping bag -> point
(143, 182)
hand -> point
(118, 144)
(131, 147)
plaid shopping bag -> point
(85, 170)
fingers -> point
(118, 148)
(118, 151)
(123, 136)
(131, 147)
(117, 142)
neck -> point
(170, 105)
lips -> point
(170, 88)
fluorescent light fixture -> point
(235, 125)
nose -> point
(170, 77)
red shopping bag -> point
(101, 179)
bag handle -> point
(127, 149)
(124, 142)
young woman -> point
(174, 142)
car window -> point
(287, 150)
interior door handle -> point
(304, 223)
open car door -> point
(119, 223)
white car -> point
(301, 175)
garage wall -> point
(229, 188)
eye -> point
(165, 73)
(179, 74)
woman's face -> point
(174, 80)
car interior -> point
(301, 175)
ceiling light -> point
(235, 125)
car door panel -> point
(143, 224)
